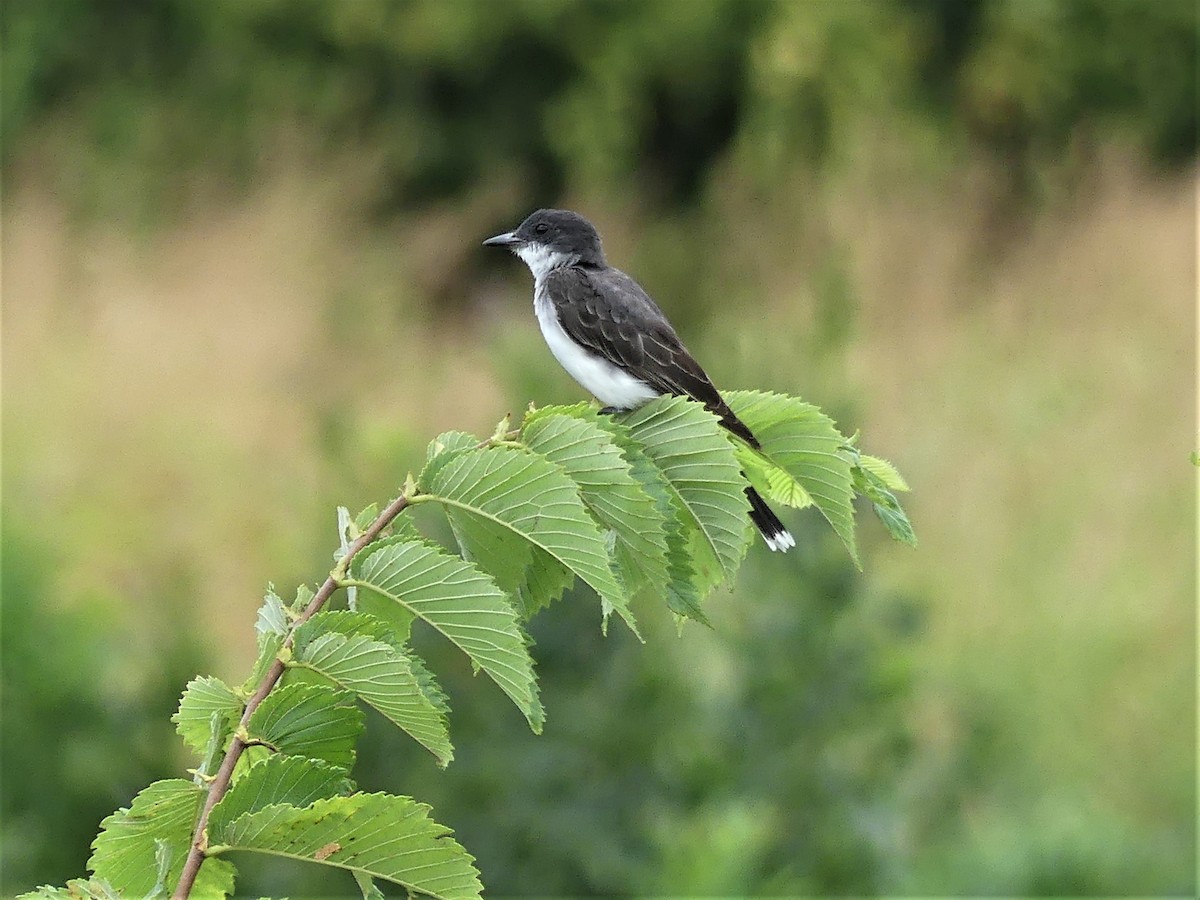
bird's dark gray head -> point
(553, 237)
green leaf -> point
(693, 453)
(772, 481)
(571, 438)
(271, 627)
(201, 699)
(386, 837)
(446, 446)
(366, 887)
(545, 580)
(449, 441)
(459, 601)
(535, 501)
(309, 720)
(124, 853)
(76, 889)
(680, 529)
(806, 444)
(886, 506)
(884, 471)
(378, 673)
(272, 617)
(162, 866)
(279, 779)
(364, 519)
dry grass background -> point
(170, 400)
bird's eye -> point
(541, 228)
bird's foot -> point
(609, 410)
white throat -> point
(542, 259)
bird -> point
(604, 329)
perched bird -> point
(608, 334)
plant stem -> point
(220, 782)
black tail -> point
(768, 524)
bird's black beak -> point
(508, 239)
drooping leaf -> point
(383, 836)
(885, 504)
(689, 447)
(202, 698)
(124, 853)
(379, 674)
(543, 583)
(311, 720)
(459, 601)
(680, 529)
(386, 630)
(279, 779)
(366, 886)
(806, 444)
(531, 498)
(572, 439)
(531, 577)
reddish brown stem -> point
(220, 783)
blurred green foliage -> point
(66, 694)
(777, 753)
(561, 91)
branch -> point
(220, 782)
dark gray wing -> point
(608, 312)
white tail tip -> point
(781, 541)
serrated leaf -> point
(309, 720)
(885, 504)
(379, 674)
(884, 471)
(443, 448)
(806, 444)
(450, 441)
(272, 617)
(682, 589)
(76, 889)
(545, 581)
(201, 699)
(459, 601)
(534, 500)
(124, 853)
(690, 448)
(364, 519)
(384, 836)
(571, 439)
(529, 575)
(279, 779)
(773, 482)
(349, 622)
(271, 627)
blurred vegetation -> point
(899, 208)
(448, 93)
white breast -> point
(609, 384)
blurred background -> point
(242, 284)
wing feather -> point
(610, 314)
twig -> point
(220, 782)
